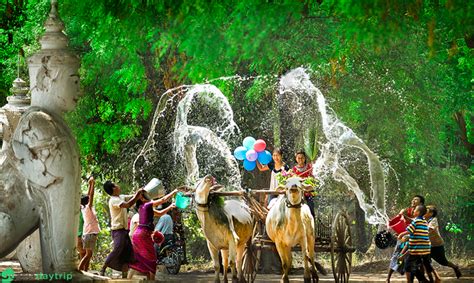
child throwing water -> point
(91, 226)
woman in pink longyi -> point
(142, 237)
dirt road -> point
(197, 277)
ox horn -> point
(280, 188)
(216, 188)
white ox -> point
(227, 227)
(289, 222)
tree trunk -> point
(459, 117)
(276, 122)
(361, 242)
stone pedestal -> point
(29, 253)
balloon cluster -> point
(251, 151)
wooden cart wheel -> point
(251, 257)
(341, 243)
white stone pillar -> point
(52, 167)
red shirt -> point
(304, 172)
(410, 213)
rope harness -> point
(289, 205)
(201, 206)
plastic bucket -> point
(397, 224)
(154, 189)
(182, 201)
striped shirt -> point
(419, 243)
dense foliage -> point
(399, 73)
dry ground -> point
(367, 272)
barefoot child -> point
(91, 227)
(419, 247)
(397, 260)
(437, 243)
(408, 217)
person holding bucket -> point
(142, 240)
(409, 212)
(122, 253)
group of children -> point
(137, 250)
(420, 243)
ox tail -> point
(232, 229)
(320, 268)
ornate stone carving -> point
(17, 104)
(39, 168)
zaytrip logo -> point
(8, 275)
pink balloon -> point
(259, 145)
(251, 155)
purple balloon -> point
(251, 155)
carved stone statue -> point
(28, 252)
(39, 168)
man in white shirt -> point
(122, 253)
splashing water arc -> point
(191, 136)
(338, 137)
(187, 138)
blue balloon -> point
(249, 142)
(264, 157)
(249, 165)
(239, 153)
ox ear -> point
(216, 188)
(185, 189)
(307, 188)
(280, 188)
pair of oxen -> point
(228, 226)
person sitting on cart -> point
(276, 166)
(304, 169)
(164, 226)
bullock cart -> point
(333, 235)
